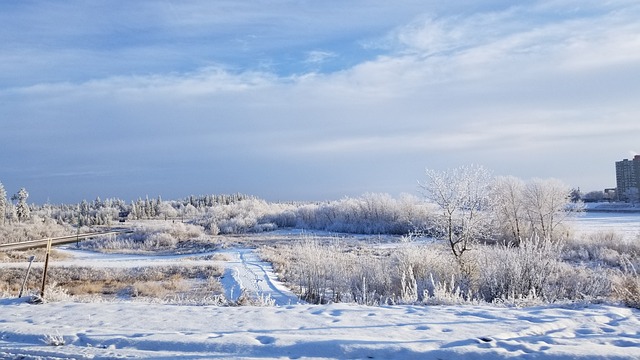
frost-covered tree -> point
(538, 208)
(134, 214)
(462, 195)
(166, 210)
(548, 204)
(509, 207)
(22, 208)
(3, 203)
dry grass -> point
(221, 257)
(24, 255)
(627, 290)
(156, 282)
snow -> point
(295, 330)
(626, 224)
(245, 271)
(155, 331)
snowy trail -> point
(245, 271)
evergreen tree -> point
(134, 215)
(3, 203)
(22, 208)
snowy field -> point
(292, 330)
(627, 224)
(138, 330)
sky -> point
(311, 100)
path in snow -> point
(245, 271)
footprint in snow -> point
(266, 340)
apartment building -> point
(628, 179)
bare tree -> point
(548, 204)
(462, 194)
(507, 194)
(534, 209)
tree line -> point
(20, 211)
(463, 205)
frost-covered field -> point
(150, 329)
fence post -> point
(46, 266)
(24, 282)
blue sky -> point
(303, 100)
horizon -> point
(298, 101)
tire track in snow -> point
(246, 272)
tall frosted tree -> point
(22, 208)
(509, 208)
(3, 203)
(548, 204)
(462, 194)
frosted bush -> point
(408, 287)
(427, 264)
(161, 240)
(148, 237)
(627, 289)
(447, 293)
(55, 293)
(250, 215)
(509, 271)
(368, 214)
(373, 281)
(579, 283)
(534, 272)
(34, 230)
(607, 248)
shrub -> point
(35, 230)
(149, 237)
(605, 248)
(506, 271)
(627, 289)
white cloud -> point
(319, 57)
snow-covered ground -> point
(246, 272)
(289, 329)
(153, 331)
(627, 224)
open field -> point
(169, 289)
